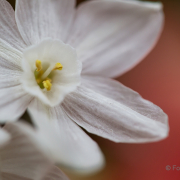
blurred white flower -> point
(42, 46)
(21, 158)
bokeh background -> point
(156, 78)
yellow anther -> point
(42, 76)
(38, 65)
(49, 80)
(58, 66)
(47, 84)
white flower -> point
(21, 158)
(42, 47)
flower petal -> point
(70, 146)
(21, 158)
(113, 36)
(14, 101)
(39, 19)
(10, 57)
(4, 137)
(55, 174)
(8, 76)
(113, 111)
(8, 29)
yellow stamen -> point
(43, 78)
(47, 84)
(50, 80)
(58, 66)
(38, 65)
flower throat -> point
(44, 76)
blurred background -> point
(156, 78)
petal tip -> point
(156, 6)
(163, 132)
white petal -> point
(10, 57)
(14, 101)
(4, 137)
(70, 146)
(21, 158)
(113, 36)
(9, 74)
(109, 109)
(8, 28)
(38, 19)
(55, 174)
(10, 66)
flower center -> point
(43, 75)
(51, 70)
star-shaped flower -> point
(46, 44)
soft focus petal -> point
(8, 28)
(55, 173)
(21, 158)
(113, 111)
(4, 137)
(14, 101)
(38, 19)
(113, 36)
(70, 146)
